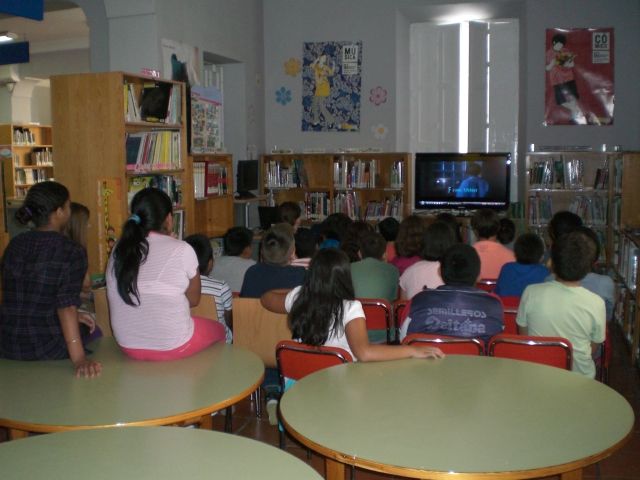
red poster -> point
(579, 76)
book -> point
(154, 102)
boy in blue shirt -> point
(526, 270)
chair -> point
(400, 312)
(487, 284)
(602, 363)
(553, 351)
(103, 319)
(297, 360)
(510, 305)
(206, 308)
(449, 345)
(377, 312)
(258, 330)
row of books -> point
(171, 185)
(591, 208)
(397, 174)
(316, 205)
(209, 179)
(284, 175)
(159, 102)
(561, 173)
(379, 210)
(155, 150)
(350, 173)
(41, 157)
(628, 262)
(540, 209)
(347, 203)
(29, 176)
(23, 136)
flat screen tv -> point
(462, 181)
(247, 178)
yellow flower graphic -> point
(292, 67)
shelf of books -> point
(116, 133)
(213, 193)
(28, 157)
(366, 186)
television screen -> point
(247, 177)
(462, 180)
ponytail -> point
(149, 209)
(41, 201)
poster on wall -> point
(206, 125)
(180, 62)
(579, 88)
(331, 82)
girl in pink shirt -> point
(493, 255)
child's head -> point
(372, 245)
(410, 241)
(150, 209)
(563, 222)
(460, 265)
(437, 240)
(572, 256)
(388, 228)
(452, 222)
(485, 223)
(43, 200)
(202, 246)
(350, 243)
(507, 231)
(278, 245)
(594, 238)
(306, 243)
(289, 212)
(237, 241)
(335, 226)
(76, 227)
(528, 249)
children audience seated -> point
(290, 212)
(237, 257)
(507, 232)
(218, 289)
(561, 222)
(456, 308)
(152, 281)
(388, 228)
(409, 243)
(306, 247)
(333, 229)
(526, 270)
(274, 271)
(350, 243)
(372, 276)
(453, 223)
(493, 255)
(426, 273)
(42, 275)
(562, 307)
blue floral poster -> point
(331, 82)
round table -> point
(147, 453)
(45, 396)
(478, 417)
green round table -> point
(46, 397)
(477, 417)
(143, 453)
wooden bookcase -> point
(92, 122)
(368, 186)
(31, 157)
(213, 207)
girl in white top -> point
(152, 281)
(323, 311)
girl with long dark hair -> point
(152, 281)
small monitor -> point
(247, 178)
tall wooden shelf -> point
(364, 185)
(213, 207)
(31, 157)
(91, 127)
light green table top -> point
(154, 453)
(45, 396)
(464, 414)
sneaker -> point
(272, 411)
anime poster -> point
(579, 76)
(331, 80)
(206, 125)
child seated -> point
(563, 308)
(218, 289)
(388, 228)
(507, 232)
(409, 243)
(237, 258)
(457, 308)
(526, 270)
(493, 255)
(306, 247)
(275, 270)
(291, 213)
(372, 276)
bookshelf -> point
(29, 158)
(368, 186)
(213, 193)
(113, 139)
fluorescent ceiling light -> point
(8, 37)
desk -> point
(147, 453)
(46, 397)
(480, 417)
(247, 203)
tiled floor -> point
(623, 465)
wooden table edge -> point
(335, 462)
(22, 429)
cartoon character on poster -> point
(579, 76)
(331, 83)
